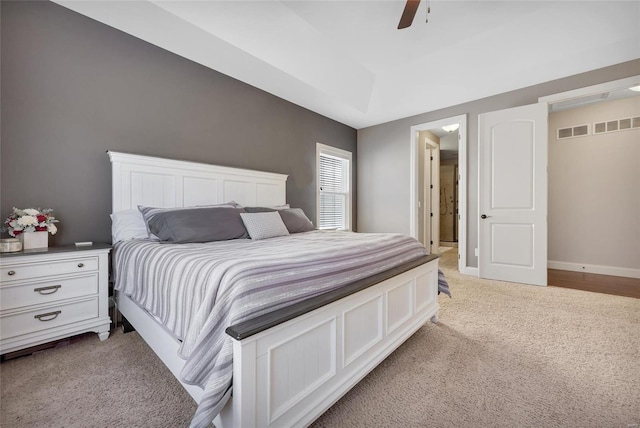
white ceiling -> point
(346, 59)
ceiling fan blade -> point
(409, 12)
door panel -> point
(513, 195)
(512, 164)
(501, 237)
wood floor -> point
(617, 285)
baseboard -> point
(597, 269)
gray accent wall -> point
(384, 153)
(73, 88)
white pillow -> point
(128, 224)
(264, 225)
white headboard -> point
(165, 183)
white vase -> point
(31, 240)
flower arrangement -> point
(30, 220)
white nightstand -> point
(50, 294)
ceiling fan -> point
(409, 12)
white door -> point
(426, 197)
(513, 194)
(434, 158)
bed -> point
(291, 360)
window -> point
(334, 187)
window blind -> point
(334, 192)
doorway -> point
(452, 144)
(601, 207)
(448, 207)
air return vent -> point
(574, 131)
(579, 131)
(624, 124)
(616, 125)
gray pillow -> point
(198, 225)
(264, 225)
(296, 220)
(259, 209)
(148, 213)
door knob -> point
(483, 216)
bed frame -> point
(288, 368)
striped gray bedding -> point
(198, 290)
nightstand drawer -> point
(16, 271)
(50, 317)
(37, 293)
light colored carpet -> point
(507, 355)
(116, 383)
(502, 355)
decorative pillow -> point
(264, 225)
(295, 220)
(198, 225)
(128, 224)
(148, 213)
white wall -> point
(449, 141)
(384, 158)
(594, 192)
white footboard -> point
(292, 373)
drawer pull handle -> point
(80, 265)
(53, 316)
(47, 290)
(11, 272)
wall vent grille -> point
(572, 132)
(616, 125)
(579, 131)
(624, 124)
